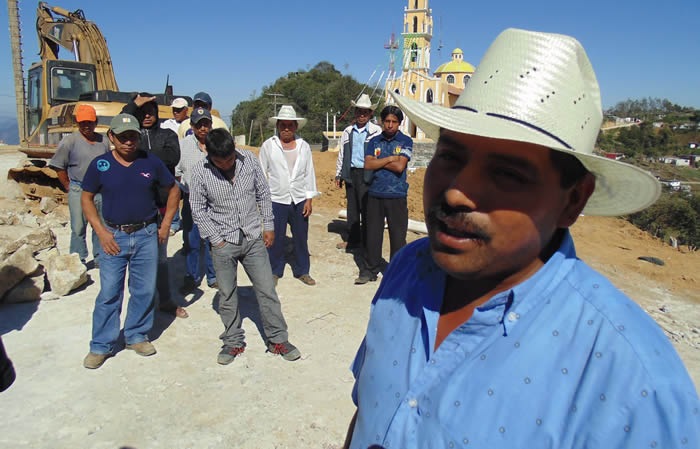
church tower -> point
(417, 33)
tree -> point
(313, 93)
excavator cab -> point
(52, 83)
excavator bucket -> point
(38, 181)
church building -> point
(414, 80)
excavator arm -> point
(57, 28)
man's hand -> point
(269, 238)
(140, 101)
(307, 208)
(109, 245)
(338, 183)
(163, 234)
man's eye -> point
(510, 175)
(446, 155)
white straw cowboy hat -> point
(364, 102)
(287, 112)
(540, 88)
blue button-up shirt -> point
(563, 360)
(358, 146)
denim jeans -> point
(192, 244)
(253, 255)
(139, 253)
(294, 215)
(177, 221)
(78, 223)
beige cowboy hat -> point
(364, 102)
(540, 88)
(287, 112)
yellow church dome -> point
(457, 65)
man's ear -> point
(577, 197)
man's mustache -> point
(442, 214)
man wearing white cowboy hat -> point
(349, 169)
(287, 163)
(490, 332)
(180, 110)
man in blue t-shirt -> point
(387, 155)
(129, 180)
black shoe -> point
(287, 350)
(362, 279)
(188, 285)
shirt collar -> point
(364, 129)
(509, 306)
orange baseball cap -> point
(85, 112)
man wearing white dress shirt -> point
(287, 163)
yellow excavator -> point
(55, 87)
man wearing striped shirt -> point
(192, 150)
(229, 196)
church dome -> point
(457, 65)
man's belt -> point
(132, 227)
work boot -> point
(94, 361)
(144, 348)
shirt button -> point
(512, 316)
(413, 403)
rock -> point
(49, 296)
(48, 204)
(28, 290)
(65, 273)
(7, 218)
(36, 240)
(45, 254)
(29, 220)
(16, 267)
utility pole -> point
(275, 101)
(16, 43)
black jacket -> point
(163, 143)
(7, 372)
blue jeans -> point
(78, 223)
(138, 252)
(292, 214)
(175, 225)
(192, 244)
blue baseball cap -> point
(202, 96)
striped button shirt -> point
(230, 211)
(190, 154)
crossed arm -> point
(395, 163)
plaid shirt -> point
(230, 211)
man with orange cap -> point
(74, 154)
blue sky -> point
(233, 48)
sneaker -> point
(306, 279)
(287, 350)
(228, 354)
(144, 348)
(213, 285)
(94, 361)
(188, 285)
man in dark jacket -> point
(7, 372)
(164, 144)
